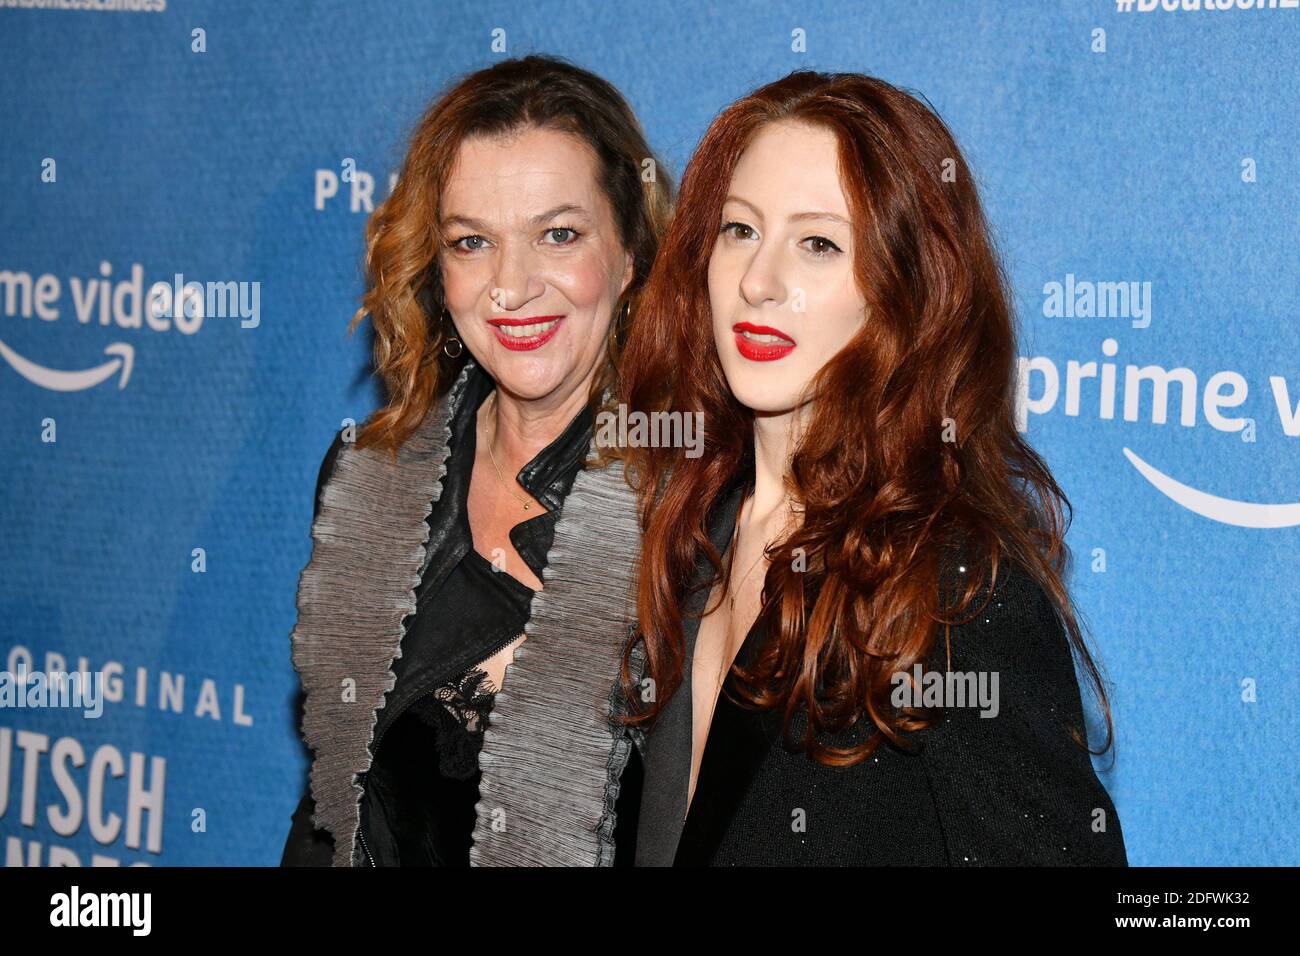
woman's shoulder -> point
(1012, 619)
(327, 466)
(471, 380)
(1012, 641)
(1011, 782)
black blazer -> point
(1004, 790)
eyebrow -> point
(542, 217)
(797, 217)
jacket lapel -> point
(666, 751)
(739, 738)
(354, 596)
(551, 756)
(668, 746)
(739, 741)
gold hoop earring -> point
(447, 345)
(618, 328)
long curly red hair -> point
(911, 449)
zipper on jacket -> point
(362, 836)
(374, 747)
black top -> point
(970, 790)
(419, 795)
(422, 787)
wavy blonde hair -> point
(404, 298)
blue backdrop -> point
(1139, 166)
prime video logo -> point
(61, 689)
(180, 306)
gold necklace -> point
(527, 504)
(720, 677)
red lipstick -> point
(761, 351)
(516, 341)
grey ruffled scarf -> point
(551, 756)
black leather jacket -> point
(548, 478)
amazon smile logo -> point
(1145, 393)
(1243, 514)
(57, 380)
(178, 306)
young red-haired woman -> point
(865, 519)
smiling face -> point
(531, 259)
(781, 287)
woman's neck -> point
(775, 438)
(520, 428)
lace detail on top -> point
(457, 712)
(469, 700)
